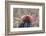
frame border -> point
(7, 32)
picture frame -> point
(9, 30)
